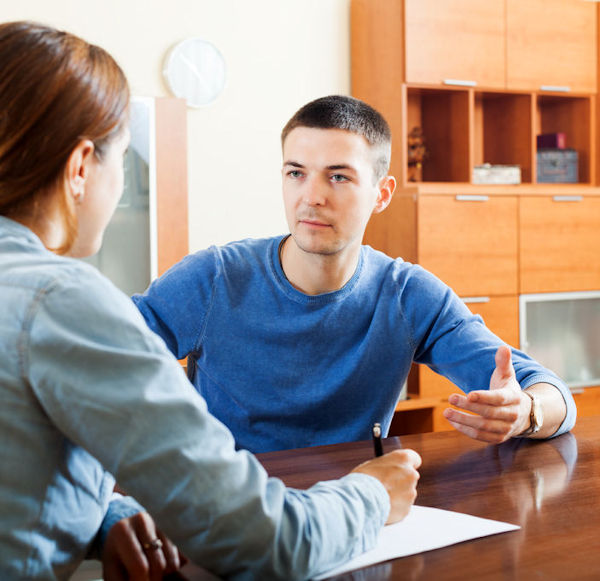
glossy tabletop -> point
(550, 488)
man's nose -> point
(314, 194)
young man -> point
(307, 338)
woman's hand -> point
(135, 549)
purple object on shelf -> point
(552, 141)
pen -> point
(377, 440)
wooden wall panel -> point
(172, 181)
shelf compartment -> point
(503, 130)
(574, 117)
(443, 115)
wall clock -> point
(194, 70)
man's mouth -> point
(313, 223)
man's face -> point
(328, 188)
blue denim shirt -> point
(86, 391)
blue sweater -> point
(283, 369)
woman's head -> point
(56, 92)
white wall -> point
(279, 53)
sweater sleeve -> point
(456, 344)
(176, 304)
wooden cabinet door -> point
(588, 401)
(560, 243)
(551, 43)
(470, 242)
(501, 316)
(455, 40)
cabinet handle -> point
(555, 88)
(459, 82)
(567, 198)
(471, 300)
(471, 198)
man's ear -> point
(386, 187)
(77, 169)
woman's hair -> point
(55, 90)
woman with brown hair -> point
(87, 391)
(63, 128)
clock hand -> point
(201, 80)
(191, 66)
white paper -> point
(422, 530)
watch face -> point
(538, 413)
(195, 71)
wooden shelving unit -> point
(468, 127)
(465, 73)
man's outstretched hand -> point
(498, 413)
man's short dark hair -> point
(348, 114)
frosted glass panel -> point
(562, 331)
(125, 256)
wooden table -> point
(550, 488)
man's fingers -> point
(478, 428)
(504, 366)
(487, 424)
(475, 434)
(477, 401)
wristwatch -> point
(536, 415)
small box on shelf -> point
(488, 173)
(557, 166)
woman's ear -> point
(77, 169)
(386, 187)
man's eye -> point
(338, 178)
(295, 174)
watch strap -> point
(533, 424)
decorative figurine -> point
(417, 153)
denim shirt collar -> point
(13, 229)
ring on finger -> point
(153, 545)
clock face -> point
(195, 71)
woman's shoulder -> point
(78, 289)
